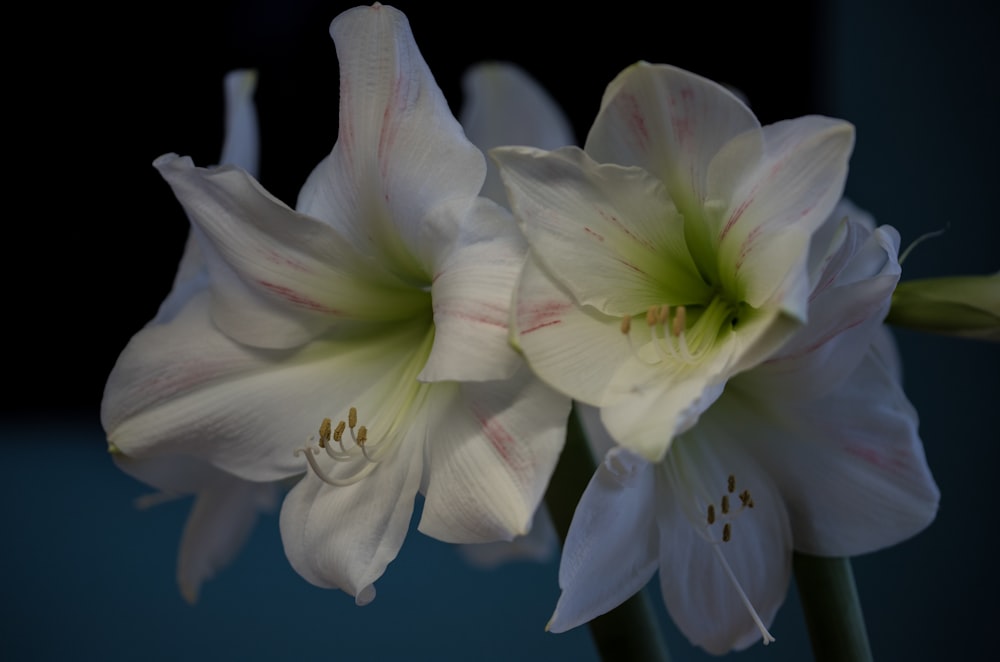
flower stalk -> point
(630, 631)
(832, 609)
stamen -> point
(725, 504)
(651, 316)
(711, 514)
(352, 417)
(338, 433)
(680, 322)
(727, 532)
(731, 483)
(362, 438)
(626, 324)
(324, 432)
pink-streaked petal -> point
(701, 597)
(185, 388)
(344, 537)
(850, 465)
(671, 123)
(611, 550)
(490, 457)
(400, 154)
(608, 234)
(278, 278)
(764, 235)
(575, 350)
(505, 106)
(471, 294)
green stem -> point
(630, 631)
(832, 609)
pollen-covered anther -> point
(711, 513)
(731, 484)
(324, 432)
(727, 532)
(352, 417)
(626, 324)
(725, 504)
(680, 322)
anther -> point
(362, 438)
(711, 514)
(338, 432)
(745, 499)
(324, 432)
(732, 483)
(664, 314)
(651, 316)
(680, 321)
(725, 504)
(626, 324)
(352, 418)
(727, 532)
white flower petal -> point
(576, 350)
(400, 154)
(490, 457)
(224, 513)
(763, 241)
(850, 466)
(608, 234)
(701, 596)
(671, 123)
(278, 278)
(185, 388)
(344, 537)
(845, 312)
(505, 106)
(471, 295)
(240, 148)
(223, 516)
(610, 551)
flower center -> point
(348, 452)
(679, 336)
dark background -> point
(93, 237)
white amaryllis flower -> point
(671, 254)
(814, 450)
(361, 338)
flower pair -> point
(688, 275)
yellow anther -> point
(362, 435)
(680, 321)
(664, 314)
(338, 432)
(324, 432)
(651, 316)
(352, 418)
(626, 324)
(711, 514)
(732, 483)
(725, 505)
(727, 532)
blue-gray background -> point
(93, 237)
